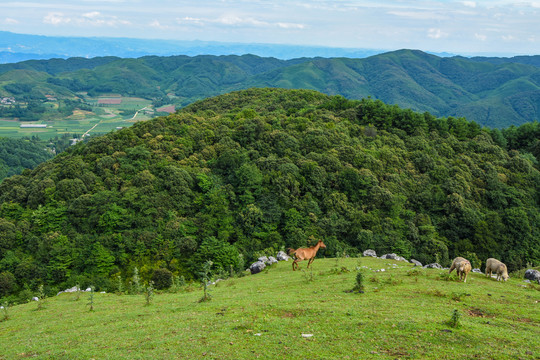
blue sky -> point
(460, 27)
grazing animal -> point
(462, 266)
(494, 265)
(305, 254)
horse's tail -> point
(291, 251)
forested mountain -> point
(252, 172)
(493, 92)
(19, 154)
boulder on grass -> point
(257, 267)
(533, 275)
(433, 266)
(416, 262)
(370, 252)
(282, 256)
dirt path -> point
(137, 113)
(92, 128)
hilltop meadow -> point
(405, 312)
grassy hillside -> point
(492, 93)
(404, 313)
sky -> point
(505, 27)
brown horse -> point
(305, 254)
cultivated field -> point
(107, 117)
(405, 313)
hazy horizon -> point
(468, 28)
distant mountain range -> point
(495, 92)
(21, 47)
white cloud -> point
(436, 33)
(480, 37)
(508, 37)
(56, 18)
(10, 21)
(156, 24)
(92, 15)
(471, 4)
(190, 20)
(291, 26)
(236, 20)
(418, 15)
(93, 18)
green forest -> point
(19, 154)
(250, 173)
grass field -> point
(107, 118)
(281, 314)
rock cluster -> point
(392, 256)
(533, 275)
(263, 261)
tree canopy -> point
(249, 173)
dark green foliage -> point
(252, 172)
(7, 283)
(162, 278)
(19, 154)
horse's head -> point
(322, 246)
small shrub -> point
(41, 297)
(119, 284)
(5, 307)
(415, 271)
(206, 278)
(454, 320)
(149, 293)
(78, 293)
(178, 282)
(458, 296)
(339, 271)
(308, 275)
(391, 280)
(359, 286)
(437, 293)
(135, 284)
(444, 276)
(91, 298)
(162, 278)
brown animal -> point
(305, 254)
(494, 265)
(462, 266)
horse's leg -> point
(310, 261)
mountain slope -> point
(494, 94)
(251, 172)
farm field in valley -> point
(110, 115)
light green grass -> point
(264, 316)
